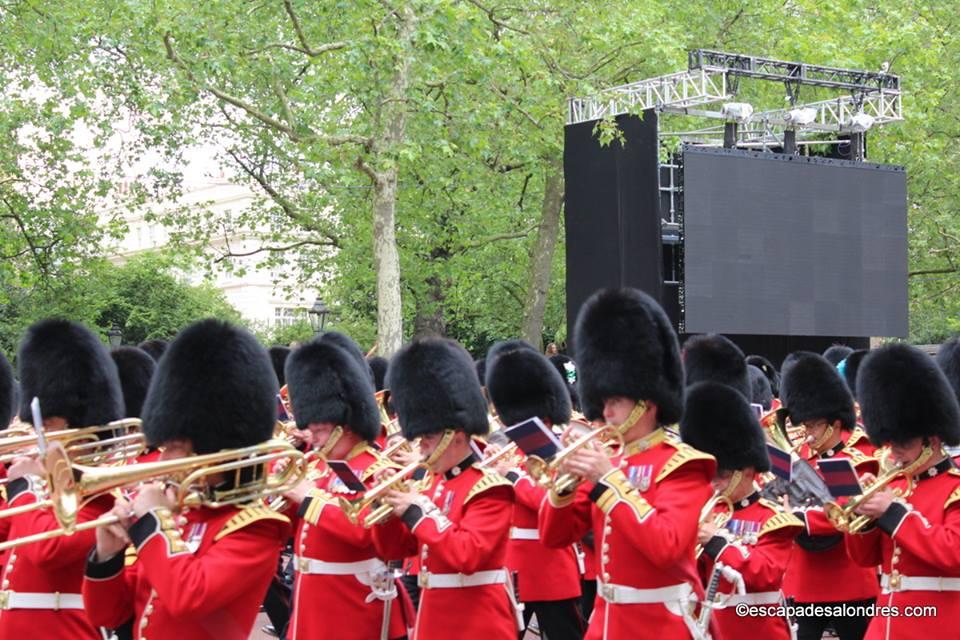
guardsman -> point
(135, 368)
(67, 367)
(815, 397)
(523, 384)
(459, 525)
(342, 589)
(760, 391)
(743, 561)
(644, 505)
(714, 357)
(202, 575)
(909, 406)
(948, 359)
(768, 370)
(7, 411)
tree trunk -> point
(541, 258)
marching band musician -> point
(339, 577)
(815, 396)
(644, 509)
(460, 525)
(68, 369)
(203, 575)
(758, 536)
(523, 384)
(909, 405)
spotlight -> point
(739, 112)
(801, 117)
(861, 122)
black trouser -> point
(589, 588)
(557, 619)
(847, 628)
(412, 585)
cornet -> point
(72, 485)
(709, 513)
(545, 473)
(371, 498)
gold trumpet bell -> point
(545, 472)
(709, 513)
(371, 499)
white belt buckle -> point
(4, 600)
(56, 601)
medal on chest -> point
(195, 536)
(640, 476)
(446, 502)
(744, 530)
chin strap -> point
(638, 412)
(445, 441)
(732, 485)
(335, 435)
(817, 445)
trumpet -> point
(709, 513)
(72, 485)
(400, 445)
(371, 498)
(312, 473)
(492, 460)
(112, 443)
(545, 471)
(845, 518)
(390, 425)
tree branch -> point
(243, 254)
(496, 238)
(306, 48)
(927, 272)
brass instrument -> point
(312, 473)
(71, 485)
(16, 429)
(401, 480)
(287, 430)
(544, 472)
(112, 443)
(400, 445)
(709, 513)
(845, 518)
(390, 425)
(491, 460)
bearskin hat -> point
(949, 360)
(718, 420)
(567, 369)
(760, 392)
(480, 366)
(378, 364)
(278, 358)
(67, 367)
(626, 346)
(433, 386)
(813, 389)
(155, 347)
(714, 357)
(523, 384)
(214, 386)
(135, 368)
(8, 392)
(836, 353)
(849, 367)
(768, 370)
(327, 384)
(347, 344)
(904, 395)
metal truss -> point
(793, 72)
(680, 90)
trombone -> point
(112, 443)
(402, 480)
(72, 485)
(544, 472)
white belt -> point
(764, 597)
(910, 583)
(621, 594)
(516, 533)
(456, 580)
(310, 566)
(52, 601)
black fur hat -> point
(714, 357)
(849, 367)
(327, 384)
(378, 364)
(719, 421)
(948, 358)
(69, 369)
(523, 384)
(214, 386)
(347, 344)
(433, 386)
(904, 395)
(480, 366)
(626, 346)
(760, 392)
(836, 353)
(567, 369)
(136, 368)
(768, 370)
(812, 389)
(8, 393)
(278, 357)
(155, 347)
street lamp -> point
(318, 315)
(115, 336)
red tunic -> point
(828, 575)
(340, 606)
(47, 567)
(542, 573)
(644, 515)
(460, 525)
(759, 545)
(203, 581)
(918, 540)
